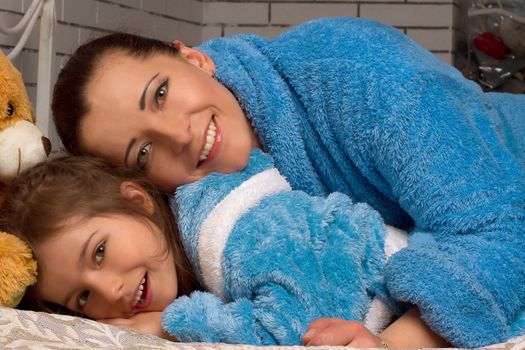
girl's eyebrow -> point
(142, 101)
(80, 260)
(84, 248)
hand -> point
(336, 331)
(143, 322)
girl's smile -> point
(144, 294)
(110, 266)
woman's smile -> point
(174, 121)
(211, 143)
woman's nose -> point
(178, 134)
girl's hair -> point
(69, 103)
(42, 198)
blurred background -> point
(439, 25)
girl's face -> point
(107, 267)
(165, 115)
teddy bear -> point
(21, 146)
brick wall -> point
(433, 23)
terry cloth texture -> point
(276, 259)
(354, 106)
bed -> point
(36, 330)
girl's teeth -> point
(138, 297)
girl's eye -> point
(99, 253)
(83, 298)
(160, 94)
(143, 156)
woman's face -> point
(165, 115)
(111, 266)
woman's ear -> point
(135, 193)
(195, 57)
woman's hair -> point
(43, 198)
(69, 103)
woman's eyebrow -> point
(142, 101)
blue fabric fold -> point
(274, 259)
(354, 106)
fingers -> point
(332, 332)
(317, 326)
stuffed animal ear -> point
(17, 269)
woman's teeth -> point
(210, 139)
(138, 297)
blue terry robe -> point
(354, 106)
(277, 259)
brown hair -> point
(42, 198)
(69, 104)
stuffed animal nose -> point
(47, 145)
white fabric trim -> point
(216, 228)
(395, 240)
(379, 314)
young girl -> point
(275, 259)
(105, 241)
(342, 105)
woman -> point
(343, 105)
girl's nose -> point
(109, 286)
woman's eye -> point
(160, 94)
(143, 156)
(83, 298)
(99, 253)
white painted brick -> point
(432, 39)
(30, 67)
(268, 32)
(209, 32)
(235, 13)
(409, 15)
(86, 35)
(65, 38)
(157, 6)
(11, 5)
(431, 1)
(9, 20)
(114, 17)
(167, 29)
(357, 1)
(27, 3)
(131, 3)
(31, 93)
(82, 12)
(283, 13)
(189, 33)
(17, 62)
(189, 10)
(447, 57)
